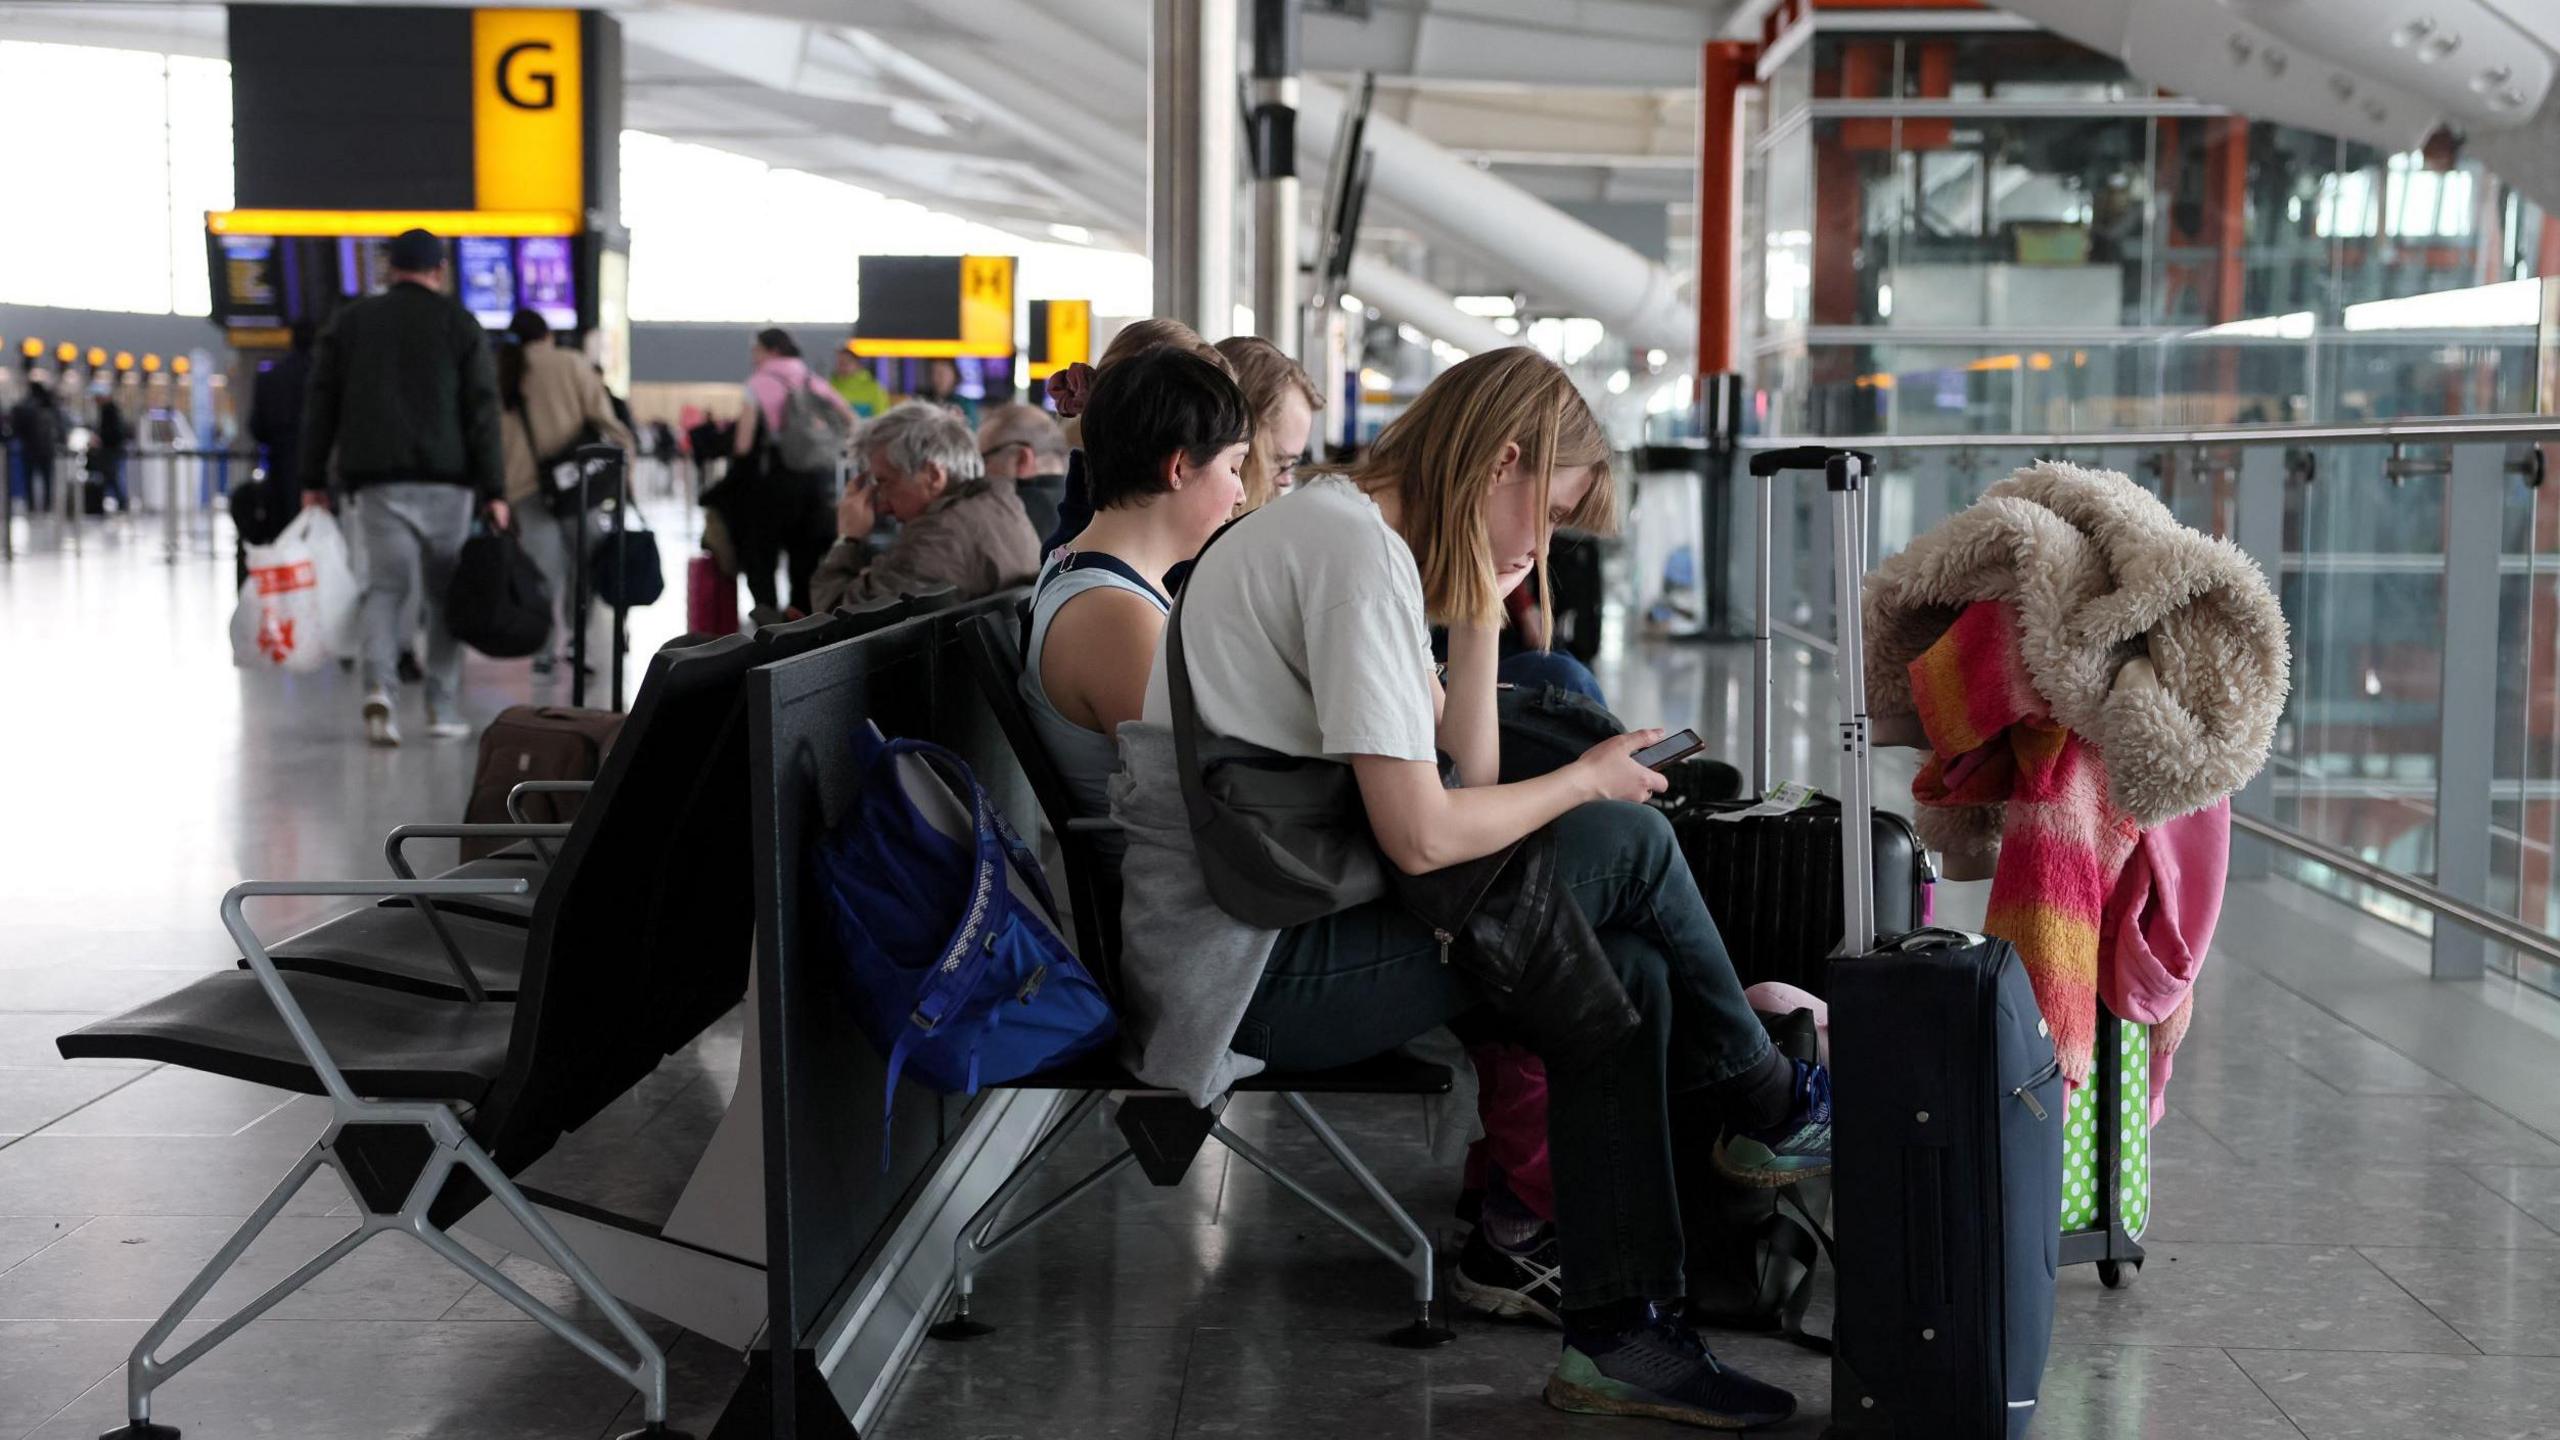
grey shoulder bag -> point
(1282, 839)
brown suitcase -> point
(534, 742)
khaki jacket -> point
(975, 539)
(563, 395)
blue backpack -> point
(946, 925)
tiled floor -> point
(2358, 1227)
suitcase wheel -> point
(2118, 1274)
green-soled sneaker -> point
(1662, 1371)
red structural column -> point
(1724, 67)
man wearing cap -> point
(404, 394)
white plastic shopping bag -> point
(297, 608)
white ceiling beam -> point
(1546, 248)
(1524, 42)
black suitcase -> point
(1946, 1119)
(1772, 881)
(1947, 1167)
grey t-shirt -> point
(1305, 634)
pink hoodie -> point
(2157, 927)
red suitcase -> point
(710, 598)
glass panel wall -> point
(2175, 265)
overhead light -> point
(1409, 335)
(1072, 234)
(1656, 359)
(1619, 381)
(2463, 56)
(1488, 306)
(2284, 80)
(1352, 303)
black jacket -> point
(37, 426)
(1510, 925)
(403, 387)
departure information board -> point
(935, 306)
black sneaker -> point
(1500, 1285)
(1661, 1370)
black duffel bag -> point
(626, 570)
(497, 602)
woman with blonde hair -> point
(1306, 632)
(1285, 402)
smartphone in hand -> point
(1679, 745)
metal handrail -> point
(2449, 430)
(2505, 930)
(2501, 928)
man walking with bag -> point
(404, 393)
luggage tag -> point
(1783, 797)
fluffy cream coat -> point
(2160, 645)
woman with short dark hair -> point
(1165, 438)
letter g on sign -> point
(545, 84)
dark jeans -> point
(1531, 668)
(109, 469)
(1356, 984)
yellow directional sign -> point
(925, 307)
(986, 305)
(528, 111)
(1061, 335)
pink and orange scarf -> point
(2063, 844)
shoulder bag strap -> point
(1186, 711)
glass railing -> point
(1883, 383)
(2416, 772)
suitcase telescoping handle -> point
(1845, 474)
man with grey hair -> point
(1025, 444)
(956, 526)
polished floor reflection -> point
(2358, 1186)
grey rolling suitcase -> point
(1946, 1125)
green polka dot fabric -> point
(2133, 1145)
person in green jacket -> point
(404, 397)
(860, 388)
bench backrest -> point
(1090, 888)
(639, 934)
(824, 1085)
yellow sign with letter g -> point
(528, 111)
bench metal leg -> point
(647, 1373)
(980, 1241)
(1416, 1257)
